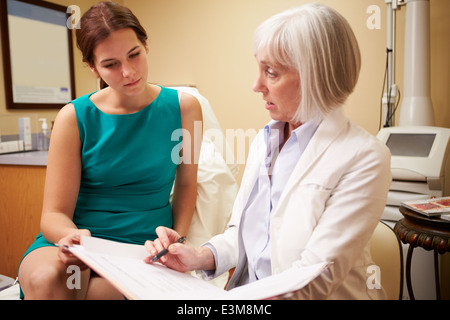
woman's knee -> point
(43, 276)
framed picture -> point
(37, 54)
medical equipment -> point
(420, 164)
(416, 108)
(420, 167)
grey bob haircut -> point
(319, 43)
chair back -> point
(387, 253)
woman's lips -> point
(131, 84)
(269, 105)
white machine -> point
(420, 164)
(420, 167)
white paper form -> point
(123, 265)
(287, 281)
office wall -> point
(84, 81)
(208, 43)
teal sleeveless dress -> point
(128, 169)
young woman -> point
(112, 160)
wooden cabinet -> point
(21, 197)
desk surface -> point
(33, 158)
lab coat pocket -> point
(296, 218)
(313, 196)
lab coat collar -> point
(326, 133)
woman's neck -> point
(115, 102)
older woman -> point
(315, 183)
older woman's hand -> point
(180, 257)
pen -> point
(166, 250)
(10, 285)
(65, 247)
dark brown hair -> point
(99, 22)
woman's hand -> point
(180, 257)
(65, 255)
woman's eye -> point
(134, 55)
(110, 65)
(270, 73)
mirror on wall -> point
(37, 54)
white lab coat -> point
(327, 211)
